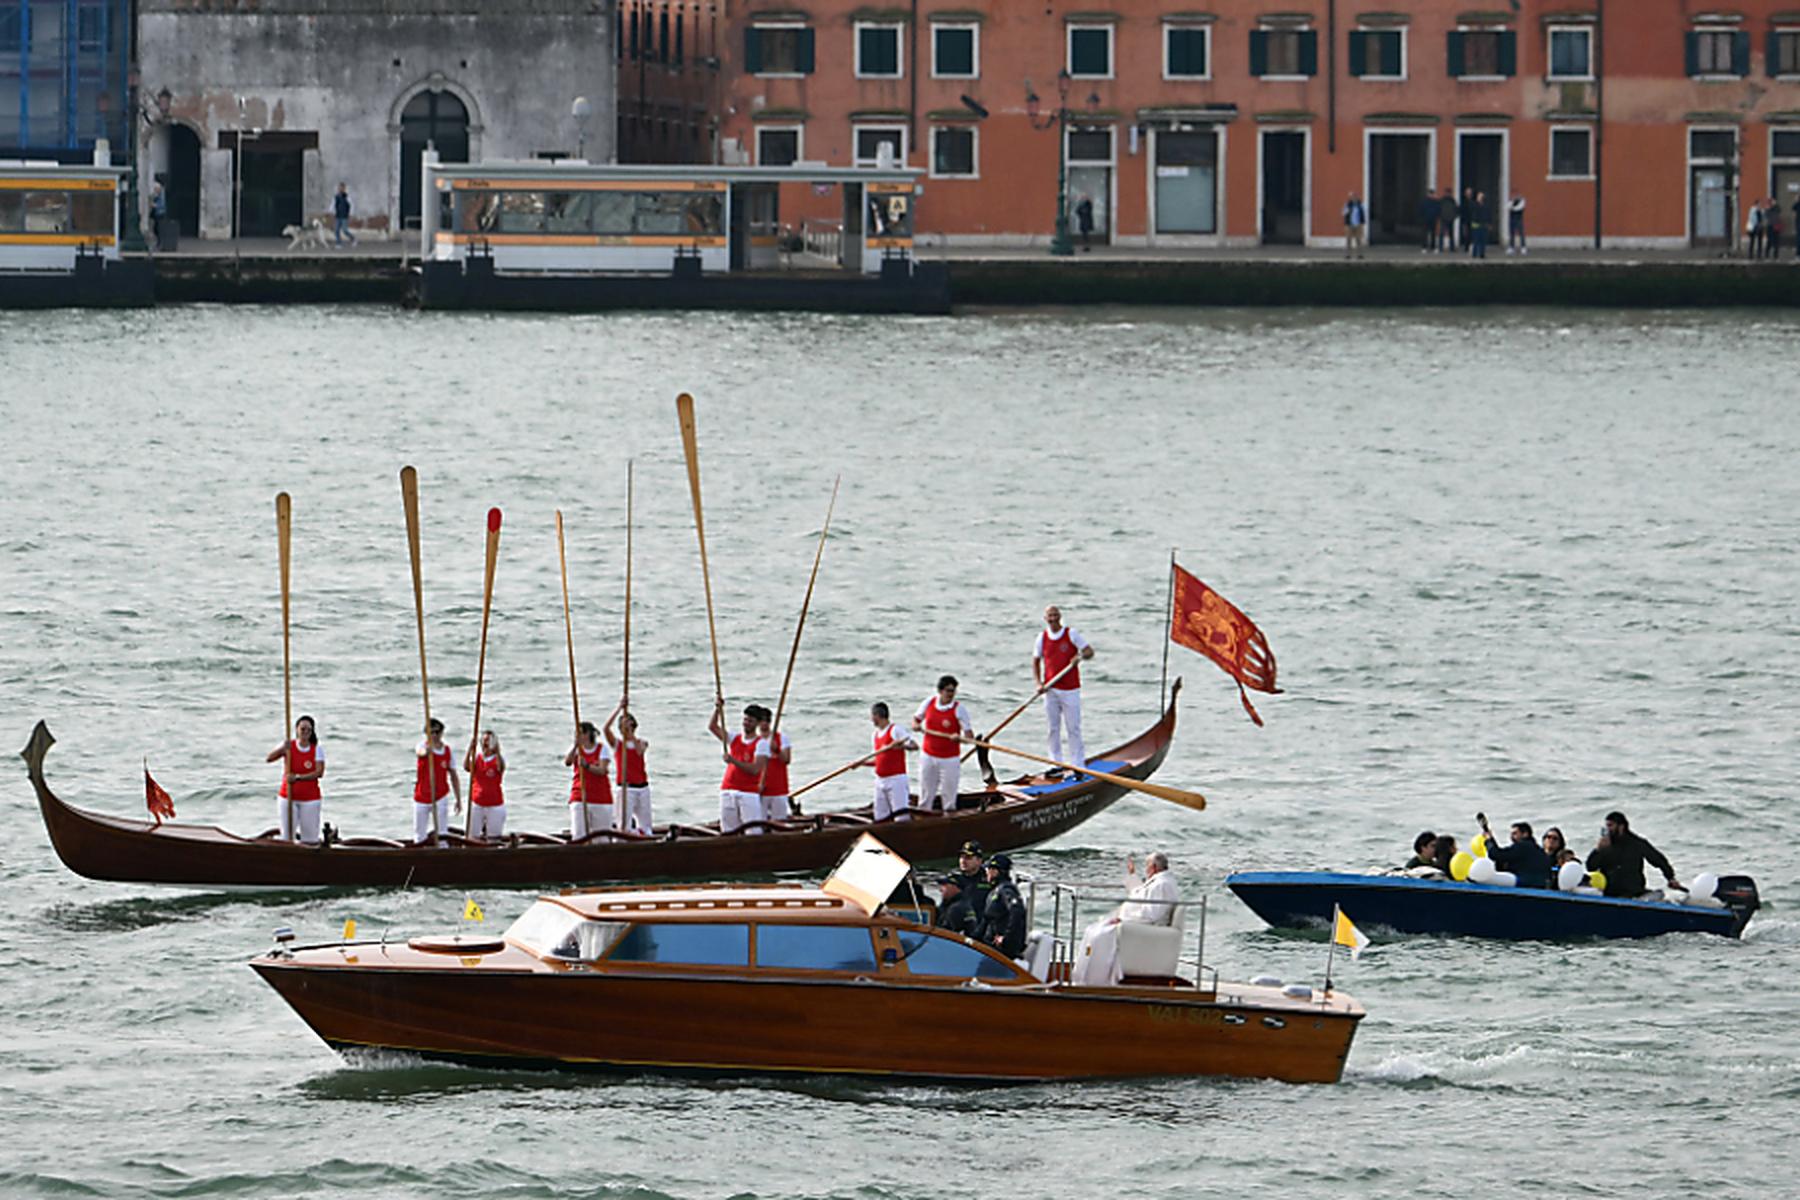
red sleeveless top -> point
(1059, 652)
(587, 787)
(484, 782)
(632, 767)
(892, 759)
(301, 762)
(939, 721)
(433, 781)
(775, 773)
(738, 779)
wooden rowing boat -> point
(1021, 812)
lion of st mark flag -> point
(1206, 622)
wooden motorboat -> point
(788, 978)
(1023, 811)
(1402, 904)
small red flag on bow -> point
(1204, 621)
(155, 799)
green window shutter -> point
(1309, 52)
(1693, 54)
(1740, 54)
(1390, 53)
(752, 49)
(806, 51)
(1259, 52)
(1456, 55)
(1509, 54)
(1358, 52)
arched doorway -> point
(435, 118)
(181, 186)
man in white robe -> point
(1152, 902)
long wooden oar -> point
(284, 525)
(1017, 712)
(487, 604)
(562, 560)
(854, 763)
(625, 682)
(684, 412)
(806, 604)
(409, 494)
(1193, 800)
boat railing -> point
(1066, 926)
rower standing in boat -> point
(941, 718)
(487, 802)
(1057, 647)
(893, 789)
(634, 789)
(305, 767)
(774, 751)
(590, 790)
(436, 781)
(740, 800)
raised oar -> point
(1015, 713)
(625, 682)
(487, 604)
(684, 412)
(806, 604)
(409, 494)
(284, 526)
(1187, 799)
(562, 560)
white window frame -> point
(1112, 48)
(974, 131)
(1187, 27)
(760, 25)
(1493, 29)
(1405, 55)
(1724, 30)
(1787, 31)
(974, 28)
(899, 29)
(1550, 33)
(781, 126)
(1550, 148)
(1284, 27)
(860, 127)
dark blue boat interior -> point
(1112, 766)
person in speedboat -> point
(1421, 855)
(1523, 857)
(1621, 854)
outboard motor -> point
(1738, 893)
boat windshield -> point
(551, 931)
(928, 954)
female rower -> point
(634, 788)
(305, 767)
(590, 792)
(435, 783)
(487, 803)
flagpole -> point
(1331, 948)
(1168, 619)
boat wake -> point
(1443, 1069)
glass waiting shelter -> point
(51, 214)
(576, 217)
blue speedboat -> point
(1305, 899)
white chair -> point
(1151, 949)
(1038, 950)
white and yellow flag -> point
(1346, 934)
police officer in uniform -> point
(975, 884)
(1003, 918)
(955, 911)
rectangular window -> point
(1090, 145)
(1571, 153)
(777, 145)
(1571, 52)
(1186, 51)
(692, 945)
(1480, 54)
(953, 151)
(815, 947)
(1284, 53)
(1187, 182)
(1718, 52)
(877, 51)
(1090, 51)
(955, 51)
(1785, 144)
(778, 50)
(1784, 52)
(1378, 53)
(870, 140)
(1712, 143)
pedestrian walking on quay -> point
(1753, 231)
(1356, 226)
(1446, 226)
(1428, 217)
(1479, 218)
(340, 211)
(1772, 228)
(1084, 220)
(1515, 225)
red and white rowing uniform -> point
(635, 791)
(590, 792)
(775, 803)
(487, 802)
(893, 795)
(431, 791)
(940, 762)
(306, 804)
(740, 801)
(1062, 703)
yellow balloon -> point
(1478, 847)
(1597, 879)
(1460, 864)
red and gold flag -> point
(157, 800)
(1204, 621)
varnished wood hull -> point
(100, 846)
(835, 1027)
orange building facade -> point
(1635, 123)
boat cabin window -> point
(552, 931)
(815, 947)
(928, 954)
(700, 945)
(609, 212)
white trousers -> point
(777, 808)
(1097, 963)
(487, 820)
(306, 812)
(422, 827)
(938, 780)
(736, 808)
(587, 818)
(893, 794)
(637, 809)
(1063, 708)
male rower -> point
(893, 795)
(739, 798)
(774, 751)
(1056, 671)
(940, 718)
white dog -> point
(310, 236)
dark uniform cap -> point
(1001, 862)
(972, 848)
(952, 881)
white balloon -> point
(1570, 876)
(1504, 879)
(1483, 870)
(1704, 885)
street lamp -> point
(237, 218)
(581, 110)
(1061, 244)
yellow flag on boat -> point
(1346, 934)
(350, 930)
(471, 910)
